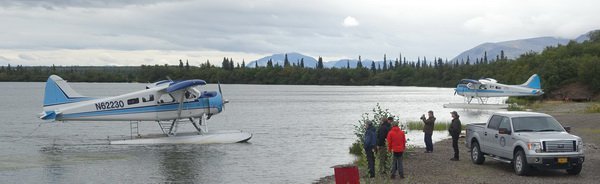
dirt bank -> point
(437, 168)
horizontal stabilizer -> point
(50, 115)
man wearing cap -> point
(454, 129)
(396, 144)
(369, 146)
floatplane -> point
(168, 103)
(484, 88)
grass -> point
(594, 108)
(515, 107)
(522, 103)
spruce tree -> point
(286, 62)
(373, 66)
(320, 63)
(270, 63)
(359, 63)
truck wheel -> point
(476, 154)
(520, 163)
(575, 170)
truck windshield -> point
(536, 124)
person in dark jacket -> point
(428, 130)
(454, 129)
(382, 132)
(396, 144)
(369, 146)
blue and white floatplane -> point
(485, 88)
(169, 103)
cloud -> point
(53, 4)
(103, 57)
(55, 30)
(350, 22)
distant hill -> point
(514, 48)
(343, 63)
(293, 57)
(310, 62)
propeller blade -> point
(221, 92)
(219, 84)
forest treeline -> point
(557, 66)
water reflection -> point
(178, 164)
(191, 163)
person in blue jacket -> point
(369, 145)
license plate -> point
(562, 160)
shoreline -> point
(437, 168)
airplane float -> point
(485, 88)
(169, 103)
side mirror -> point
(503, 131)
(568, 129)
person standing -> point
(396, 144)
(382, 132)
(428, 130)
(369, 146)
(454, 129)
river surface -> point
(299, 132)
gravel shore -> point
(437, 168)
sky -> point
(135, 32)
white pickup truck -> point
(525, 139)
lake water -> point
(299, 132)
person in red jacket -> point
(396, 144)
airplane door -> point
(505, 141)
(163, 101)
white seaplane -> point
(485, 88)
(169, 103)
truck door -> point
(489, 133)
(504, 142)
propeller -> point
(221, 92)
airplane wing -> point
(488, 81)
(184, 85)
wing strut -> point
(173, 129)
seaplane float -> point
(485, 88)
(168, 103)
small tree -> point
(375, 116)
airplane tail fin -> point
(59, 92)
(533, 82)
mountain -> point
(343, 63)
(310, 62)
(293, 57)
(514, 48)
